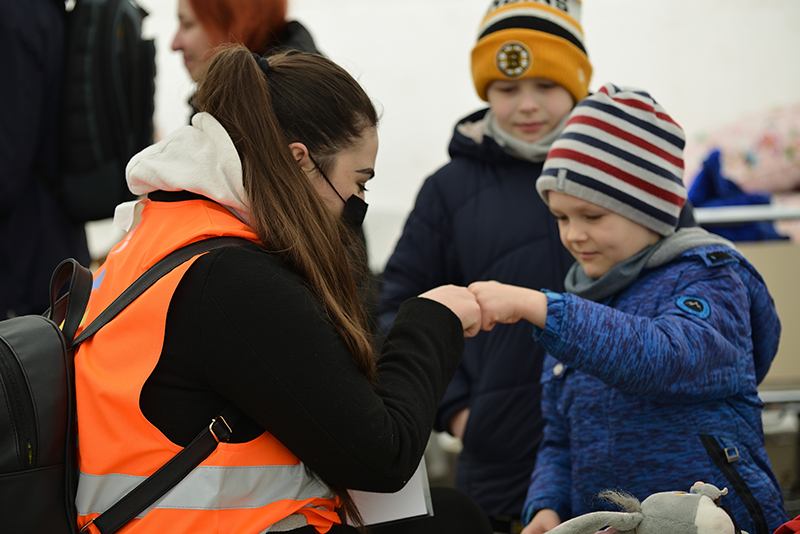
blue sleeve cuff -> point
(527, 514)
(532, 507)
(555, 313)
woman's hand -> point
(545, 520)
(506, 304)
(461, 302)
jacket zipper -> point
(20, 405)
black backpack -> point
(38, 445)
(107, 105)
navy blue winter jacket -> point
(480, 218)
(657, 390)
(35, 235)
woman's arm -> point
(267, 345)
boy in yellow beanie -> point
(479, 217)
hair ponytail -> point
(302, 98)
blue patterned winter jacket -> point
(656, 390)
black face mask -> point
(355, 209)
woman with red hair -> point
(259, 25)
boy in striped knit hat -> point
(657, 346)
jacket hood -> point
(200, 158)
(764, 321)
(470, 141)
(712, 248)
(296, 37)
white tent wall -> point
(706, 61)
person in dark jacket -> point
(656, 349)
(35, 236)
(479, 217)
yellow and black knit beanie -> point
(532, 39)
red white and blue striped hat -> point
(620, 150)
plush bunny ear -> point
(592, 522)
(709, 490)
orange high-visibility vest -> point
(241, 487)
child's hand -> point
(461, 302)
(544, 521)
(458, 423)
(506, 304)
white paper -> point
(414, 500)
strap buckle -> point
(732, 456)
(223, 429)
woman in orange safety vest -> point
(279, 154)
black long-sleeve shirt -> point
(243, 328)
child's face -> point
(529, 108)
(598, 238)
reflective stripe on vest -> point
(209, 488)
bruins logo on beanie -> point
(532, 39)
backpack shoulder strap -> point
(152, 275)
(159, 483)
(70, 308)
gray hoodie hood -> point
(199, 158)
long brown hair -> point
(257, 24)
(309, 99)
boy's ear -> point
(301, 155)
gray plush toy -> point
(697, 512)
